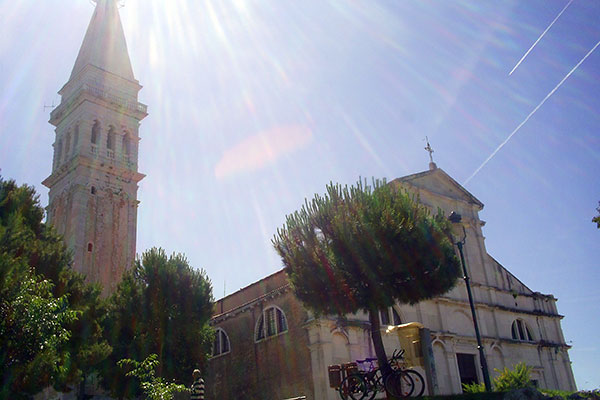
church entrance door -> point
(466, 368)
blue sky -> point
(256, 105)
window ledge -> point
(271, 337)
(220, 355)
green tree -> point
(162, 306)
(596, 219)
(32, 332)
(155, 388)
(365, 248)
(33, 250)
(87, 346)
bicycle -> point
(397, 362)
(366, 383)
(372, 377)
(353, 387)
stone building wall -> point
(276, 367)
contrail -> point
(531, 113)
(541, 36)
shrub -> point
(473, 387)
(155, 388)
(562, 394)
(585, 395)
(517, 378)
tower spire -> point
(104, 44)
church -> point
(267, 344)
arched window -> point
(272, 321)
(90, 247)
(520, 331)
(58, 152)
(95, 132)
(221, 343)
(110, 142)
(110, 138)
(75, 137)
(126, 145)
(389, 314)
(68, 146)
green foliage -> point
(556, 393)
(32, 332)
(585, 395)
(596, 219)
(162, 306)
(155, 388)
(473, 387)
(520, 377)
(31, 253)
(363, 247)
(516, 378)
(359, 247)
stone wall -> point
(276, 367)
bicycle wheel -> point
(419, 382)
(353, 387)
(374, 384)
(399, 384)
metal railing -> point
(101, 93)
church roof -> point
(104, 44)
(416, 179)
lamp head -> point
(454, 217)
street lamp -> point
(455, 218)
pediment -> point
(440, 183)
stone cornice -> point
(105, 165)
(537, 343)
(534, 295)
(338, 322)
(250, 304)
(356, 322)
(491, 306)
(101, 97)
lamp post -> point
(455, 218)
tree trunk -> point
(378, 344)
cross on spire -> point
(430, 151)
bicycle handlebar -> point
(397, 355)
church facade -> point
(94, 180)
(269, 346)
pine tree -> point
(161, 307)
(366, 248)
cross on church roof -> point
(430, 151)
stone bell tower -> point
(94, 181)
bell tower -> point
(94, 180)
